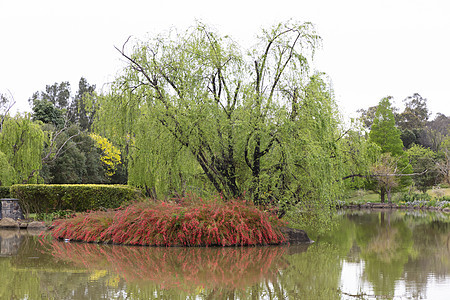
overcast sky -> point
(371, 49)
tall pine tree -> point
(392, 162)
(384, 133)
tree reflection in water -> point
(402, 251)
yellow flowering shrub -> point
(110, 154)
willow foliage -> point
(195, 114)
(6, 171)
(21, 142)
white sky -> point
(371, 49)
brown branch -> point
(56, 153)
(268, 148)
(342, 135)
(6, 112)
(25, 181)
(236, 94)
(382, 175)
(354, 175)
(399, 175)
(135, 63)
(280, 70)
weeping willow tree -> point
(21, 144)
(6, 171)
(195, 114)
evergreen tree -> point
(413, 120)
(385, 172)
(46, 112)
(56, 94)
(367, 116)
(423, 161)
(435, 132)
(83, 107)
(383, 132)
(415, 115)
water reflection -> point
(10, 241)
(182, 268)
(386, 254)
(400, 253)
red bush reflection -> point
(185, 268)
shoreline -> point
(291, 235)
(392, 206)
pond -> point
(368, 255)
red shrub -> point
(187, 223)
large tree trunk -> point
(389, 195)
(256, 170)
(383, 194)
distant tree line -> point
(59, 132)
(414, 150)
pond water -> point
(368, 255)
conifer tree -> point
(392, 162)
(384, 133)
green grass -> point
(438, 193)
(362, 196)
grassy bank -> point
(190, 223)
(363, 196)
(439, 198)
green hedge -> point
(4, 192)
(47, 198)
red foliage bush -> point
(189, 223)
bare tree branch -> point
(8, 108)
(382, 175)
(54, 152)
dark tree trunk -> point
(256, 170)
(389, 195)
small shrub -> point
(445, 204)
(59, 214)
(412, 197)
(444, 198)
